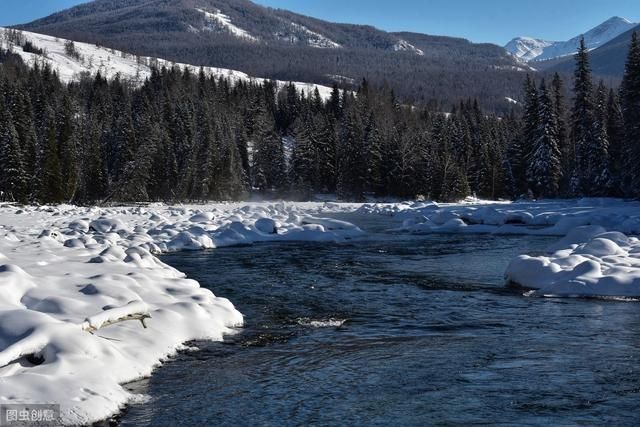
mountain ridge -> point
(279, 44)
(532, 49)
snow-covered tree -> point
(598, 171)
(543, 172)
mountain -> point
(607, 61)
(89, 59)
(278, 44)
(532, 49)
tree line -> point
(590, 150)
(185, 136)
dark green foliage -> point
(185, 136)
(583, 119)
(630, 101)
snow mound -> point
(606, 265)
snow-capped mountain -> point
(533, 49)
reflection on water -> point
(396, 330)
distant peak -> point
(617, 19)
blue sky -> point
(495, 21)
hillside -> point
(92, 59)
(278, 44)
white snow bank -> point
(76, 282)
(606, 264)
(545, 218)
(593, 258)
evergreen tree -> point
(615, 132)
(598, 171)
(630, 102)
(522, 150)
(582, 119)
(12, 171)
(564, 143)
(543, 171)
(52, 190)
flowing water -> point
(395, 330)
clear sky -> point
(495, 21)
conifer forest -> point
(185, 136)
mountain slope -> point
(91, 59)
(532, 49)
(278, 44)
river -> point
(395, 330)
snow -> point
(314, 39)
(511, 100)
(76, 281)
(224, 21)
(405, 46)
(529, 49)
(111, 63)
(596, 256)
(598, 264)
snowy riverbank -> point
(68, 273)
(65, 271)
(596, 257)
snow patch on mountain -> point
(533, 49)
(314, 39)
(220, 20)
(405, 46)
(527, 48)
(92, 59)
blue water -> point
(396, 330)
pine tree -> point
(269, 163)
(68, 149)
(352, 170)
(582, 119)
(523, 149)
(543, 172)
(564, 143)
(12, 172)
(630, 102)
(52, 190)
(304, 159)
(615, 131)
(599, 174)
